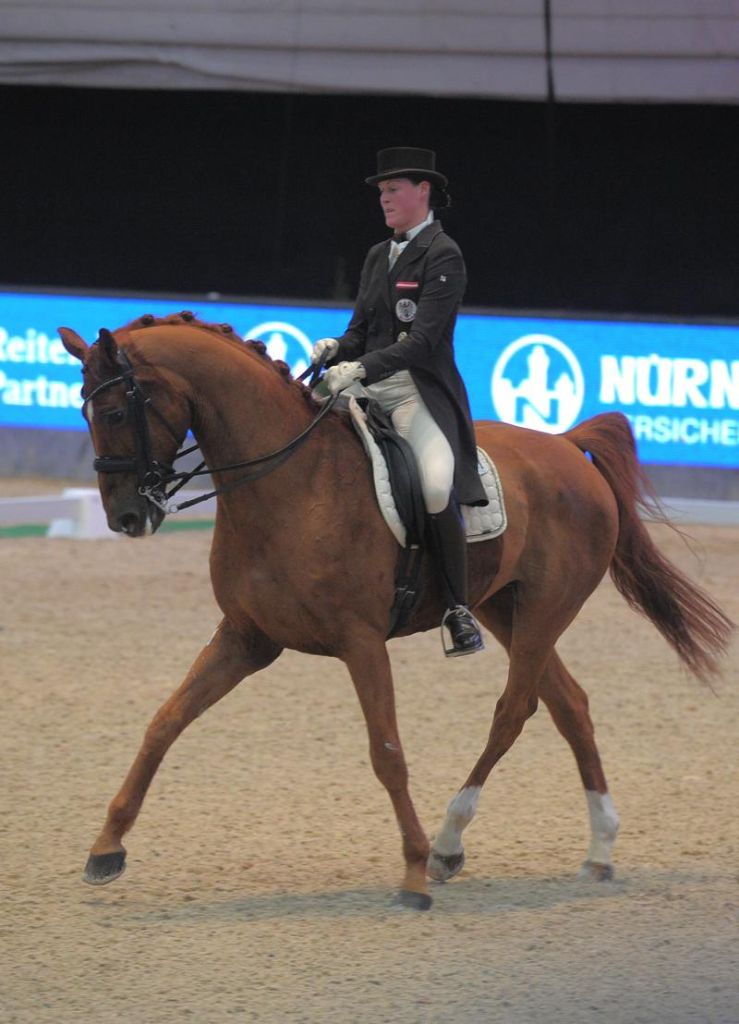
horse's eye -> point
(116, 417)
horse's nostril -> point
(129, 522)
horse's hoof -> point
(442, 868)
(596, 872)
(409, 900)
(102, 868)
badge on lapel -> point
(405, 310)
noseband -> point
(153, 476)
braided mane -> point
(226, 333)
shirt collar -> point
(410, 235)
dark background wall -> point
(607, 208)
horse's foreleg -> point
(372, 677)
(223, 662)
(568, 705)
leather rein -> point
(154, 476)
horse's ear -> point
(75, 345)
(107, 345)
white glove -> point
(343, 376)
(327, 347)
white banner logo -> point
(538, 383)
(283, 341)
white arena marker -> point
(87, 521)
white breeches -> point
(399, 397)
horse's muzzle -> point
(135, 518)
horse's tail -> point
(687, 618)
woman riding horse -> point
(399, 343)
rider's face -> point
(404, 204)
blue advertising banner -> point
(677, 382)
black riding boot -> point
(449, 548)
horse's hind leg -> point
(529, 649)
(568, 705)
(223, 662)
(369, 666)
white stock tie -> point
(396, 249)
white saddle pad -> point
(481, 523)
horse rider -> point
(399, 344)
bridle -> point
(153, 476)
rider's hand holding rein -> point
(326, 348)
(339, 377)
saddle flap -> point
(402, 470)
(481, 523)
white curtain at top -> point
(608, 50)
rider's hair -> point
(439, 198)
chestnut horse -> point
(301, 558)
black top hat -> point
(404, 161)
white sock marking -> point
(603, 826)
(459, 814)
